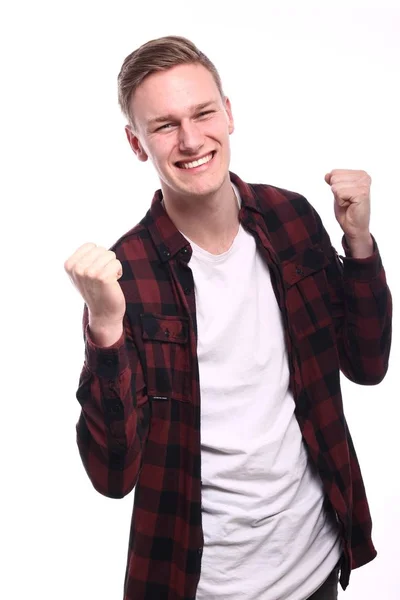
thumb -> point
(328, 177)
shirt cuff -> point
(105, 362)
(363, 269)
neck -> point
(211, 222)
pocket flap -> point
(165, 328)
(304, 264)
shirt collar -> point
(168, 239)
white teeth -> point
(197, 163)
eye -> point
(206, 112)
(165, 126)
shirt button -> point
(299, 271)
(199, 551)
(187, 291)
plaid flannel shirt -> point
(140, 398)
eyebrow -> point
(193, 109)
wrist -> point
(361, 246)
(105, 334)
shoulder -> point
(289, 214)
(130, 243)
(271, 196)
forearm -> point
(362, 312)
(361, 307)
(113, 423)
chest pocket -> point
(166, 346)
(307, 291)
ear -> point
(135, 143)
(228, 109)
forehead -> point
(174, 91)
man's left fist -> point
(351, 190)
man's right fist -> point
(95, 271)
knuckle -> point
(365, 177)
(90, 273)
(77, 270)
(80, 271)
(105, 276)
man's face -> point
(180, 117)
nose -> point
(191, 137)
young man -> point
(215, 331)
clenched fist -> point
(95, 272)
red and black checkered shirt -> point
(140, 398)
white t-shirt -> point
(267, 535)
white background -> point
(314, 86)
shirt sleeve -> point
(361, 304)
(114, 420)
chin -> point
(210, 182)
(203, 188)
(204, 185)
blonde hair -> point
(158, 55)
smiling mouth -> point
(195, 163)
